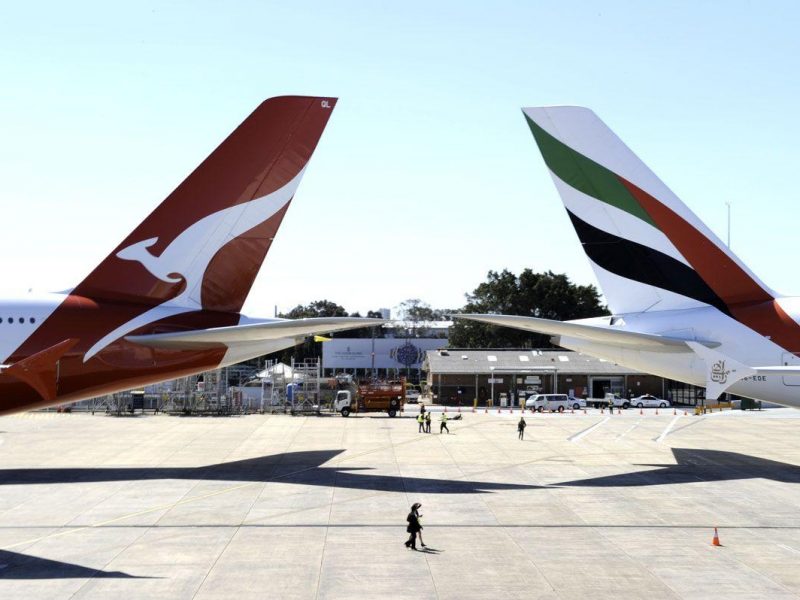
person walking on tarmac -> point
(521, 427)
(443, 424)
(421, 421)
(428, 422)
(414, 527)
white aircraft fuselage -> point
(735, 340)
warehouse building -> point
(505, 376)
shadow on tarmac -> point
(290, 467)
(692, 466)
(23, 566)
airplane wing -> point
(596, 333)
(255, 332)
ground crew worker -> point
(521, 427)
(443, 424)
(428, 422)
(421, 421)
(414, 526)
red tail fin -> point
(203, 246)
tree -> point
(416, 316)
(545, 295)
(318, 308)
(309, 348)
(367, 332)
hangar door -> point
(600, 386)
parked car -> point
(649, 401)
(552, 402)
(577, 403)
(412, 395)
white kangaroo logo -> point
(155, 264)
(189, 254)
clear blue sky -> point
(427, 176)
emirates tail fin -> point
(648, 250)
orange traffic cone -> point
(584, 411)
(601, 410)
(445, 408)
(641, 412)
(459, 409)
(486, 410)
(674, 411)
(572, 411)
(656, 410)
(715, 541)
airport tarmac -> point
(587, 506)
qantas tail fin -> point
(203, 246)
(648, 250)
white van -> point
(552, 402)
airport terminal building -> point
(456, 376)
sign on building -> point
(394, 353)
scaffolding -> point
(202, 394)
(303, 395)
(295, 389)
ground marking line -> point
(588, 430)
(515, 525)
(667, 429)
(789, 548)
(690, 423)
(632, 427)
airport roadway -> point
(587, 506)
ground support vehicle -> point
(386, 396)
(610, 400)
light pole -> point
(728, 204)
(372, 368)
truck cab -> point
(343, 403)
